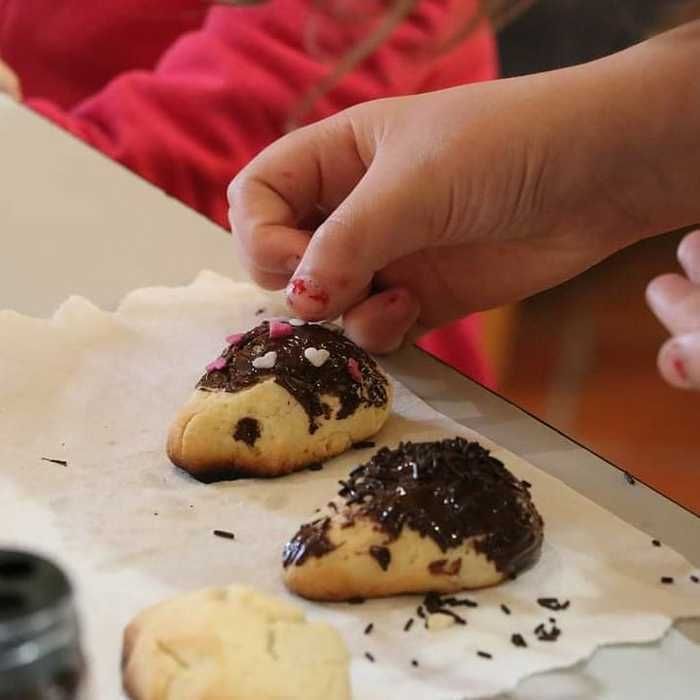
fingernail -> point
(676, 369)
(292, 263)
(307, 296)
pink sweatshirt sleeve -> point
(222, 93)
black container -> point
(40, 653)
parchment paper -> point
(99, 390)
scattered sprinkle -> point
(266, 361)
(357, 600)
(414, 663)
(694, 578)
(484, 654)
(656, 543)
(217, 364)
(260, 312)
(408, 625)
(369, 656)
(280, 329)
(364, 444)
(420, 612)
(61, 462)
(225, 534)
(156, 513)
(315, 466)
(526, 484)
(317, 357)
(505, 609)
(369, 628)
(547, 635)
(553, 620)
(667, 579)
(553, 604)
(234, 339)
(518, 640)
(354, 369)
(630, 479)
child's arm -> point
(221, 94)
(477, 196)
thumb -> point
(375, 225)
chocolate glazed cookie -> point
(284, 395)
(435, 516)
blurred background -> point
(582, 356)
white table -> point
(72, 222)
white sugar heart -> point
(266, 361)
(316, 357)
(296, 322)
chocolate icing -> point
(247, 430)
(381, 555)
(311, 541)
(305, 382)
(449, 491)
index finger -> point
(311, 169)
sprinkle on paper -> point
(224, 534)
(61, 462)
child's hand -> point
(437, 205)
(9, 82)
(676, 302)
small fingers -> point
(676, 303)
(679, 361)
(381, 322)
(689, 256)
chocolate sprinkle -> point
(505, 609)
(369, 656)
(656, 543)
(311, 541)
(363, 445)
(484, 654)
(414, 662)
(630, 479)
(518, 640)
(547, 635)
(381, 555)
(225, 534)
(437, 605)
(449, 490)
(694, 578)
(369, 628)
(292, 371)
(315, 466)
(408, 625)
(553, 604)
(526, 484)
(260, 312)
(667, 579)
(61, 462)
(247, 430)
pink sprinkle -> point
(279, 329)
(234, 339)
(354, 369)
(219, 363)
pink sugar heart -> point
(280, 329)
(218, 363)
(234, 339)
(354, 369)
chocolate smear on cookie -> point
(311, 362)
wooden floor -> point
(582, 358)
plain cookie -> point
(232, 644)
(437, 516)
(281, 397)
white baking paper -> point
(99, 390)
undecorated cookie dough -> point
(283, 396)
(232, 644)
(434, 516)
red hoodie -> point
(185, 93)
